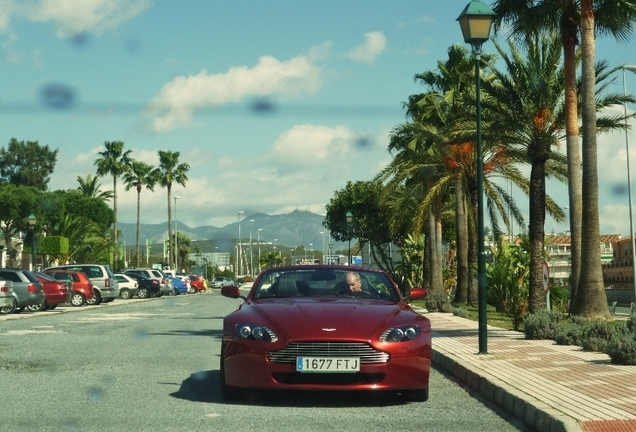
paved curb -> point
(531, 411)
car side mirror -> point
(231, 291)
(418, 293)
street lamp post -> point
(176, 235)
(349, 222)
(239, 262)
(258, 236)
(32, 220)
(330, 253)
(475, 22)
(251, 257)
(629, 181)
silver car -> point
(27, 289)
(7, 301)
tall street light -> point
(258, 236)
(251, 257)
(176, 235)
(239, 251)
(475, 22)
(629, 181)
(32, 220)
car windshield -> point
(321, 282)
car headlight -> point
(256, 332)
(400, 334)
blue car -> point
(179, 286)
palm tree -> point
(613, 17)
(89, 186)
(527, 101)
(139, 176)
(113, 161)
(170, 171)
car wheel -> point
(37, 307)
(97, 299)
(159, 294)
(419, 395)
(175, 292)
(228, 392)
(143, 293)
(191, 291)
(78, 299)
(8, 309)
(125, 294)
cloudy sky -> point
(275, 105)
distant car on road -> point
(221, 281)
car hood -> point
(336, 318)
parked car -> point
(101, 277)
(317, 327)
(196, 283)
(149, 273)
(27, 289)
(185, 279)
(178, 286)
(221, 281)
(7, 301)
(83, 289)
(56, 292)
(145, 287)
(128, 287)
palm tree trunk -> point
(171, 247)
(536, 229)
(116, 242)
(591, 301)
(461, 222)
(569, 37)
(138, 219)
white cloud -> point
(179, 99)
(374, 45)
(72, 18)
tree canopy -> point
(27, 164)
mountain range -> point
(298, 228)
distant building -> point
(619, 271)
(559, 249)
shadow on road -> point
(204, 387)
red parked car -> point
(319, 327)
(55, 292)
(82, 285)
(196, 283)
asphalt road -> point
(152, 365)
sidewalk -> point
(550, 387)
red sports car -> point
(321, 327)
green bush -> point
(597, 334)
(569, 333)
(438, 302)
(622, 350)
(541, 325)
(462, 313)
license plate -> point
(328, 364)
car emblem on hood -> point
(329, 329)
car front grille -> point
(367, 354)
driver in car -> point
(353, 281)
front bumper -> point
(247, 367)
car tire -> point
(9, 309)
(125, 294)
(96, 300)
(175, 292)
(37, 307)
(78, 299)
(143, 293)
(419, 395)
(191, 290)
(228, 392)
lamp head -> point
(32, 220)
(631, 68)
(349, 217)
(475, 22)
